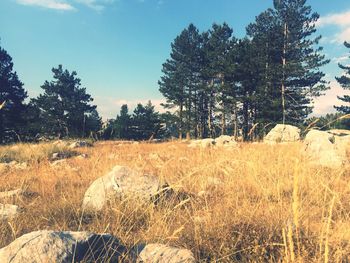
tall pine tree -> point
(64, 106)
(300, 59)
(12, 96)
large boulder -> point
(326, 149)
(159, 253)
(50, 246)
(121, 182)
(283, 133)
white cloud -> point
(109, 107)
(344, 35)
(325, 104)
(342, 21)
(50, 4)
(341, 59)
(67, 5)
(97, 5)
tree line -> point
(64, 109)
(214, 83)
(220, 84)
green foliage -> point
(218, 84)
(328, 121)
(344, 81)
(144, 124)
(64, 107)
(12, 96)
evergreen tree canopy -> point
(146, 123)
(12, 96)
(64, 105)
(344, 81)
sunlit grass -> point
(271, 205)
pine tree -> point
(181, 76)
(93, 123)
(122, 123)
(299, 72)
(344, 81)
(64, 104)
(12, 96)
(217, 47)
(145, 122)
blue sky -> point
(117, 47)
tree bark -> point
(181, 120)
(284, 62)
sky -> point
(117, 47)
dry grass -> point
(32, 152)
(271, 207)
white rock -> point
(79, 144)
(159, 253)
(225, 140)
(8, 211)
(326, 149)
(121, 182)
(283, 133)
(50, 246)
(204, 143)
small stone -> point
(163, 254)
(8, 211)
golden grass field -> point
(271, 207)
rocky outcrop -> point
(283, 133)
(121, 183)
(326, 149)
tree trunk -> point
(181, 120)
(210, 109)
(235, 121)
(245, 121)
(284, 62)
(189, 109)
(223, 116)
(223, 122)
